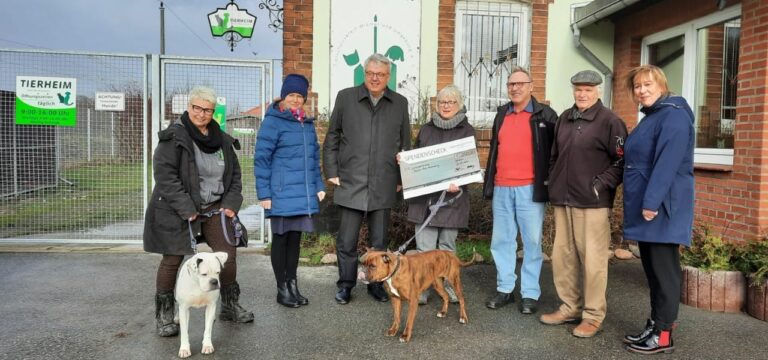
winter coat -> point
(658, 174)
(455, 215)
(543, 121)
(286, 164)
(587, 160)
(176, 195)
(361, 145)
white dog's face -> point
(206, 267)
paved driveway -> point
(100, 306)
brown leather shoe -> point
(588, 328)
(556, 318)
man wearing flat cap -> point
(586, 166)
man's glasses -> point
(198, 109)
(520, 84)
(375, 75)
(447, 103)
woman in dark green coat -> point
(196, 172)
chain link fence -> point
(89, 180)
(244, 87)
(83, 180)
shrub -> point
(710, 252)
(753, 261)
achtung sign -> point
(110, 101)
(46, 101)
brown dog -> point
(407, 276)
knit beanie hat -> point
(294, 83)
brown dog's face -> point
(377, 265)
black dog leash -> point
(432, 212)
(236, 225)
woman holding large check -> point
(448, 123)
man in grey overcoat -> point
(369, 126)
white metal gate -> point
(89, 183)
(245, 85)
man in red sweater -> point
(516, 180)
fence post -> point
(112, 137)
(88, 120)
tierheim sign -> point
(46, 101)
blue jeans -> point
(513, 210)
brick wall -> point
(446, 26)
(538, 67)
(733, 202)
(445, 61)
(297, 37)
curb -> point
(100, 249)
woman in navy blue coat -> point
(288, 183)
(658, 199)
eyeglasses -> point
(375, 75)
(517, 84)
(198, 109)
(447, 103)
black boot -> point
(164, 304)
(285, 297)
(293, 289)
(642, 336)
(658, 341)
(230, 306)
(377, 292)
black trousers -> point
(285, 255)
(349, 232)
(661, 263)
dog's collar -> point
(397, 267)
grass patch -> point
(99, 194)
(315, 246)
(465, 249)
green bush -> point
(709, 252)
(753, 261)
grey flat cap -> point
(587, 77)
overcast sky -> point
(130, 27)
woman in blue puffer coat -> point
(659, 199)
(288, 182)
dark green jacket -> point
(176, 195)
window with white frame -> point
(701, 61)
(491, 39)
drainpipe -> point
(596, 62)
(609, 7)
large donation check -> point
(432, 168)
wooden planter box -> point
(721, 291)
(757, 301)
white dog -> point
(198, 286)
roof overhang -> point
(599, 10)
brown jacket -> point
(587, 158)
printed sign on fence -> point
(110, 101)
(46, 101)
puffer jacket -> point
(286, 164)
